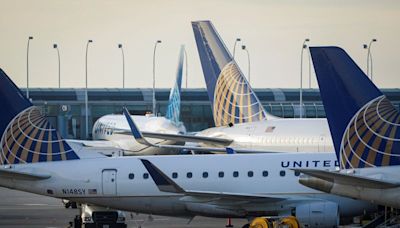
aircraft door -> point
(109, 182)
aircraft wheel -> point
(90, 225)
(291, 222)
(259, 223)
(77, 222)
(246, 226)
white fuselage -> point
(124, 183)
(115, 128)
(280, 135)
(389, 197)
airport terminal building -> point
(65, 108)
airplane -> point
(111, 127)
(240, 119)
(35, 158)
(365, 130)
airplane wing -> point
(181, 138)
(166, 184)
(140, 139)
(12, 174)
(93, 143)
(188, 138)
(349, 179)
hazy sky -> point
(272, 30)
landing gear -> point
(77, 222)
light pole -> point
(234, 46)
(248, 61)
(86, 90)
(27, 67)
(55, 46)
(186, 67)
(304, 46)
(154, 76)
(123, 65)
(369, 57)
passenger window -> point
(205, 174)
(282, 173)
(265, 173)
(250, 174)
(174, 175)
(145, 175)
(189, 175)
(235, 174)
(221, 174)
(131, 176)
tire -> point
(90, 225)
(246, 226)
(77, 222)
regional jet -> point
(240, 119)
(35, 158)
(113, 130)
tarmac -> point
(20, 210)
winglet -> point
(134, 129)
(163, 182)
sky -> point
(273, 32)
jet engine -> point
(318, 214)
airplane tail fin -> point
(26, 135)
(365, 126)
(232, 98)
(174, 104)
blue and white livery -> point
(197, 184)
(114, 128)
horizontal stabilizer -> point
(349, 179)
(12, 174)
(166, 184)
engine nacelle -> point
(318, 214)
